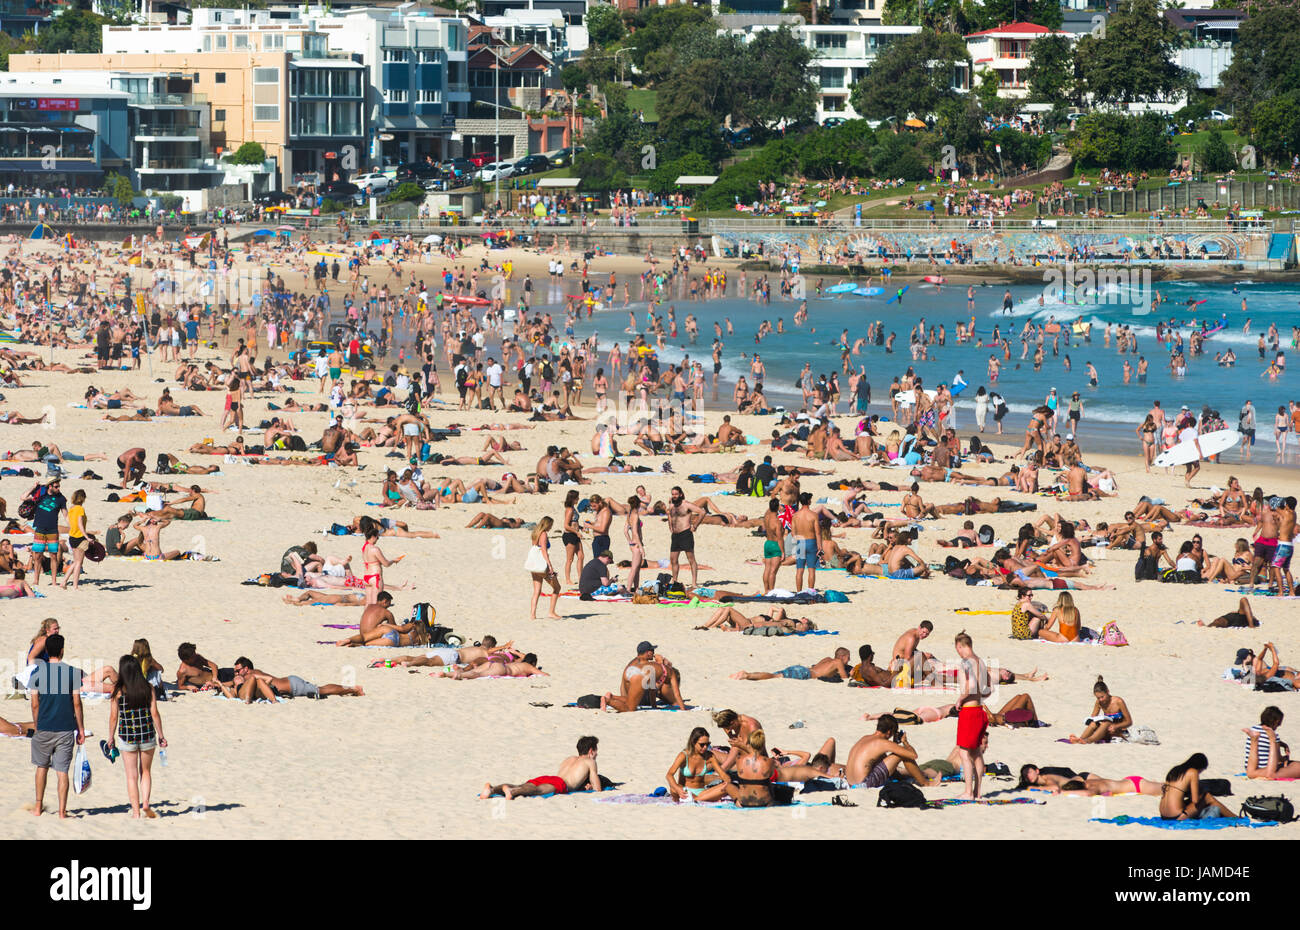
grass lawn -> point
(644, 100)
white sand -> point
(409, 759)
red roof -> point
(1015, 29)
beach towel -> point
(957, 802)
(666, 800)
(981, 613)
(639, 709)
(1212, 823)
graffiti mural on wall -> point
(989, 246)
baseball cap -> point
(1184, 406)
(645, 646)
(1069, 435)
(1241, 656)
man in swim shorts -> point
(573, 774)
(251, 684)
(874, 758)
(972, 721)
(807, 530)
(832, 668)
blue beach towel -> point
(1213, 823)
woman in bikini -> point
(571, 535)
(1181, 797)
(754, 773)
(1147, 432)
(1084, 784)
(1232, 503)
(375, 563)
(729, 618)
(1112, 707)
(17, 586)
(689, 777)
(632, 532)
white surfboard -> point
(907, 398)
(1210, 444)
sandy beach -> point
(409, 758)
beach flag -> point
(136, 257)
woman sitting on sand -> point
(1181, 797)
(1110, 718)
(1230, 571)
(754, 770)
(1084, 784)
(695, 774)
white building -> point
(1005, 51)
(843, 53)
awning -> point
(702, 180)
(64, 165)
(566, 183)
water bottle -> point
(162, 757)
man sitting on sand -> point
(906, 664)
(832, 668)
(196, 673)
(380, 628)
(648, 680)
(571, 775)
(197, 509)
(873, 759)
(250, 685)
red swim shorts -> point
(551, 781)
(972, 723)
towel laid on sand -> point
(1213, 823)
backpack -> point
(1146, 569)
(296, 444)
(1269, 808)
(901, 794)
(164, 466)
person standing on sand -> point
(539, 565)
(133, 715)
(807, 530)
(972, 721)
(682, 528)
(56, 710)
(571, 775)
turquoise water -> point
(1112, 409)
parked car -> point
(1219, 115)
(565, 156)
(274, 199)
(456, 168)
(496, 171)
(479, 159)
(373, 182)
(831, 122)
(531, 164)
(342, 191)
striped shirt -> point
(1264, 749)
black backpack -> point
(901, 794)
(1146, 569)
(1271, 808)
(164, 464)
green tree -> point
(955, 16)
(987, 93)
(775, 85)
(599, 172)
(1097, 140)
(119, 188)
(992, 13)
(9, 45)
(405, 191)
(604, 24)
(1265, 61)
(1133, 61)
(1275, 125)
(250, 153)
(664, 178)
(1215, 154)
(73, 30)
(658, 27)
(573, 77)
(899, 156)
(699, 90)
(895, 86)
(961, 125)
(1128, 143)
(1051, 70)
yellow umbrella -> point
(914, 123)
(539, 210)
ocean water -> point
(1112, 409)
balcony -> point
(163, 131)
(166, 100)
(175, 164)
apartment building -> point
(61, 133)
(1005, 51)
(842, 54)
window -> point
(266, 75)
(832, 77)
(429, 96)
(221, 77)
(219, 115)
(272, 43)
(395, 95)
(396, 55)
(196, 77)
(266, 114)
(221, 43)
(832, 40)
(207, 43)
(241, 41)
(430, 56)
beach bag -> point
(1112, 635)
(1146, 569)
(164, 466)
(27, 509)
(96, 552)
(536, 560)
(1269, 808)
(643, 598)
(296, 444)
(1142, 736)
(588, 702)
(80, 770)
(901, 794)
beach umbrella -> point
(434, 239)
(914, 123)
(264, 232)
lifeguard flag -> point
(136, 257)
